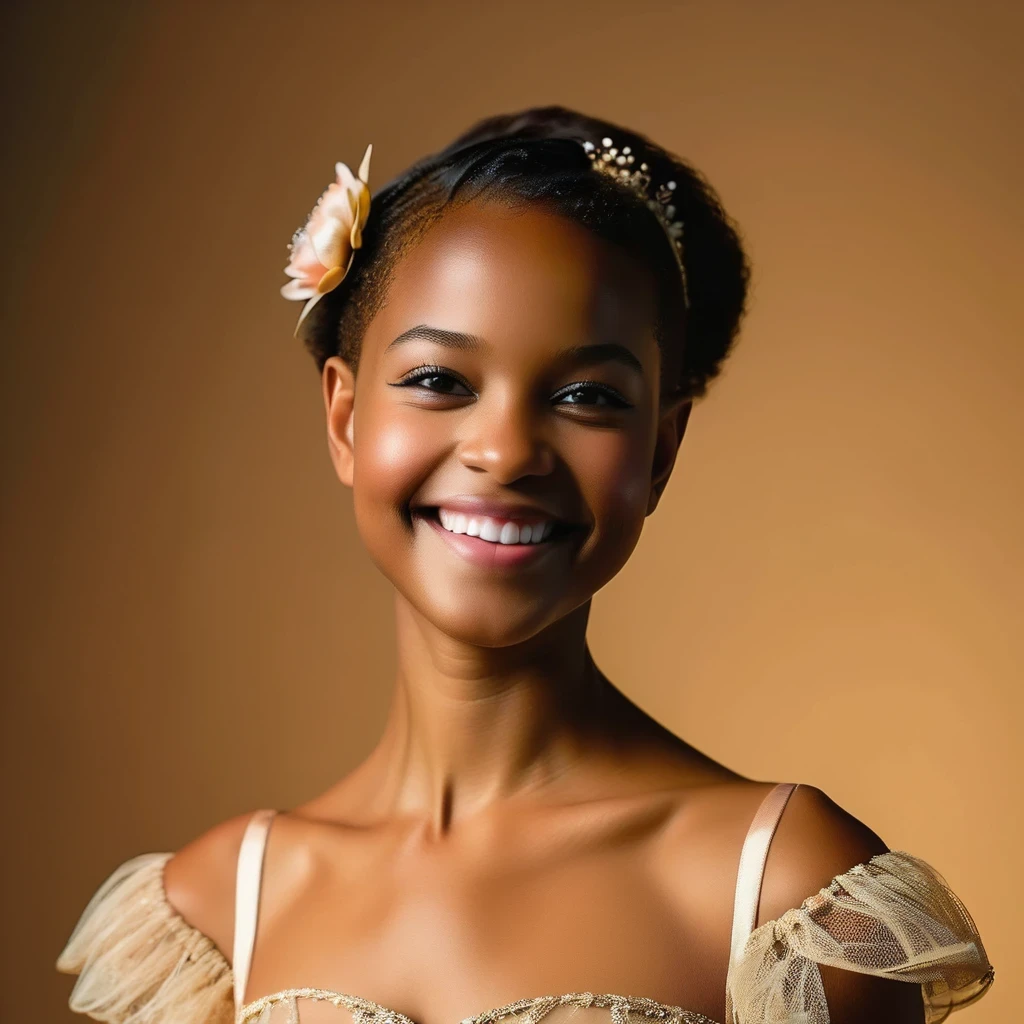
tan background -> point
(831, 591)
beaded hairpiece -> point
(621, 165)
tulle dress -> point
(139, 962)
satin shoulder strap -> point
(247, 897)
(751, 872)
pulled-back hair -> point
(536, 156)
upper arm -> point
(816, 840)
(199, 881)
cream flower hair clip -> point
(323, 249)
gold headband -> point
(620, 165)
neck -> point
(470, 726)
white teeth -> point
(496, 531)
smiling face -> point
(512, 377)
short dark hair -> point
(536, 156)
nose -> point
(505, 439)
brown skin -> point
(521, 828)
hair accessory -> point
(323, 249)
(619, 164)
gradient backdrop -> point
(831, 590)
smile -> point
(497, 531)
(492, 542)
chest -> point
(443, 939)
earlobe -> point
(338, 385)
(671, 427)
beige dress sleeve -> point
(893, 916)
(138, 961)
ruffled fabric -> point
(139, 961)
(893, 916)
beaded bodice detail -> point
(622, 1009)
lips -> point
(492, 544)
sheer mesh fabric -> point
(893, 916)
(139, 962)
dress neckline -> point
(247, 895)
(536, 1007)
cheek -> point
(612, 472)
(615, 472)
(393, 453)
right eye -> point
(435, 379)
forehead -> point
(518, 276)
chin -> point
(486, 617)
(477, 623)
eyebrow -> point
(599, 352)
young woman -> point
(511, 336)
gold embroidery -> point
(528, 1011)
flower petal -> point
(297, 290)
(364, 167)
(305, 311)
(362, 208)
(334, 202)
(304, 266)
(330, 280)
(330, 242)
(303, 262)
(306, 273)
(346, 179)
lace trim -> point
(365, 1011)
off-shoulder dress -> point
(139, 962)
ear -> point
(339, 390)
(672, 419)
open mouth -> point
(497, 544)
(498, 532)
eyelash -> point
(425, 372)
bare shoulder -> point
(817, 840)
(199, 880)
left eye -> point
(593, 394)
(435, 379)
